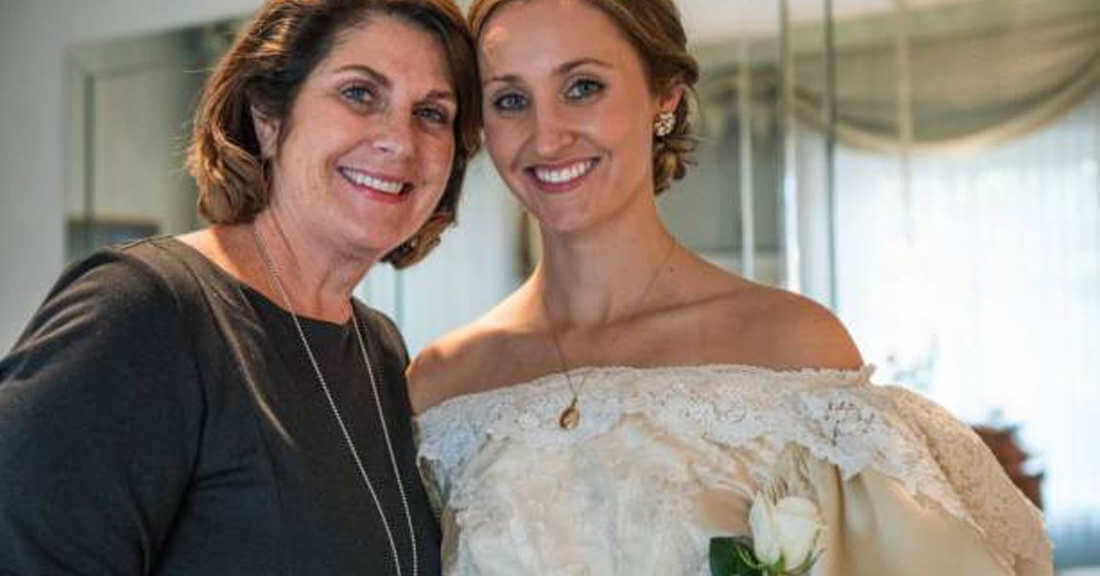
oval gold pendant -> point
(570, 417)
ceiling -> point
(710, 20)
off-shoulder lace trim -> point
(837, 415)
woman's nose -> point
(395, 135)
(553, 132)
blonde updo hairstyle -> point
(654, 28)
(266, 67)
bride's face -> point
(568, 111)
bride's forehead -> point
(521, 21)
(528, 35)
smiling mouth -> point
(562, 177)
(375, 183)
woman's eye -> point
(582, 89)
(434, 115)
(510, 102)
(357, 94)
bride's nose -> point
(552, 129)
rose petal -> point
(765, 541)
(798, 526)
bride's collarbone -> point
(732, 327)
(523, 359)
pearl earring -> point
(664, 124)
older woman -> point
(631, 401)
(219, 403)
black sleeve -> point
(100, 416)
(384, 328)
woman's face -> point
(367, 148)
(568, 111)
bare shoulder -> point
(815, 337)
(457, 362)
(785, 330)
(442, 368)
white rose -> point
(787, 529)
(765, 539)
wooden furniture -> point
(1002, 441)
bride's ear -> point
(267, 131)
(669, 98)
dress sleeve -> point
(929, 498)
(100, 416)
(874, 526)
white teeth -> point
(563, 175)
(386, 186)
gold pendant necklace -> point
(570, 417)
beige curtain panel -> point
(927, 82)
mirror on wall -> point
(129, 108)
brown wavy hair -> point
(266, 67)
(654, 28)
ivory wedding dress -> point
(663, 459)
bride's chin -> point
(561, 226)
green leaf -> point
(731, 557)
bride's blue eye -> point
(510, 102)
(582, 89)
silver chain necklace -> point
(274, 275)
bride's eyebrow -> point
(561, 70)
(503, 78)
(569, 66)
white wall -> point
(34, 35)
(474, 267)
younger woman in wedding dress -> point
(627, 403)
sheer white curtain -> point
(976, 279)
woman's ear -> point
(670, 97)
(267, 132)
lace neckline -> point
(553, 380)
(837, 415)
